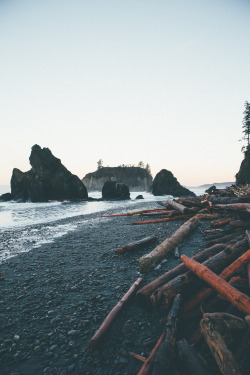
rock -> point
(5, 197)
(139, 197)
(166, 184)
(115, 190)
(243, 176)
(137, 178)
(47, 180)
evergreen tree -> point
(246, 126)
(99, 164)
(148, 169)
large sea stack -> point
(47, 180)
(243, 176)
(166, 184)
(136, 178)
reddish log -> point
(112, 316)
(148, 364)
(238, 299)
(161, 220)
(144, 293)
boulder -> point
(5, 197)
(115, 190)
(139, 197)
(47, 180)
(165, 183)
(243, 176)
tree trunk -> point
(238, 299)
(98, 336)
(191, 360)
(184, 284)
(144, 293)
(223, 356)
(206, 292)
(161, 220)
(235, 206)
(137, 244)
(164, 361)
(177, 206)
(149, 261)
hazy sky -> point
(160, 81)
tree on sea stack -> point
(246, 126)
(243, 176)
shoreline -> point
(56, 296)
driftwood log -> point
(177, 206)
(98, 336)
(149, 261)
(212, 326)
(191, 361)
(238, 299)
(235, 206)
(206, 292)
(144, 293)
(137, 244)
(164, 361)
(185, 283)
(178, 217)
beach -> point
(56, 296)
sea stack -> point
(165, 183)
(48, 179)
(243, 176)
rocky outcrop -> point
(47, 180)
(115, 190)
(243, 176)
(5, 197)
(136, 178)
(166, 184)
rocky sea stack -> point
(243, 176)
(166, 184)
(115, 190)
(47, 180)
(136, 178)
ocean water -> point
(24, 226)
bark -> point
(164, 361)
(224, 239)
(186, 283)
(238, 299)
(207, 216)
(161, 220)
(148, 364)
(235, 206)
(177, 206)
(210, 329)
(100, 333)
(220, 223)
(190, 359)
(137, 244)
(149, 261)
(144, 293)
(206, 292)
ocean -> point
(24, 226)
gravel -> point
(55, 297)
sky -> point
(158, 81)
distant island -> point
(219, 185)
(136, 178)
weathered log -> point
(131, 213)
(206, 292)
(190, 202)
(161, 220)
(149, 261)
(220, 223)
(164, 361)
(207, 216)
(185, 283)
(148, 364)
(235, 206)
(243, 224)
(98, 336)
(177, 206)
(210, 329)
(224, 239)
(238, 299)
(144, 293)
(190, 359)
(137, 244)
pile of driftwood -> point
(205, 299)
